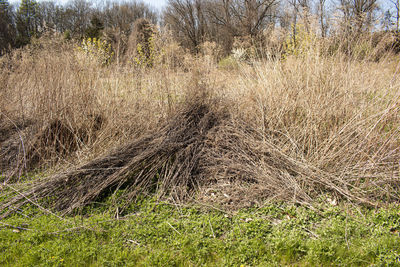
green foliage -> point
(164, 235)
(95, 29)
(27, 21)
(67, 35)
(4, 6)
(97, 50)
(7, 29)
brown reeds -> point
(289, 130)
(199, 147)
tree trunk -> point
(397, 15)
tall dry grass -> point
(292, 129)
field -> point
(195, 160)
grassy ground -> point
(161, 234)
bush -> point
(97, 50)
(143, 44)
(301, 43)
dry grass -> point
(288, 130)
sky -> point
(156, 3)
(159, 4)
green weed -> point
(159, 234)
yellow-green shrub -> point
(142, 46)
(97, 50)
(145, 54)
(300, 43)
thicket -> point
(286, 115)
(194, 23)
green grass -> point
(165, 235)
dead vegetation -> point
(170, 159)
(285, 130)
(200, 149)
(27, 146)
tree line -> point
(76, 19)
(193, 22)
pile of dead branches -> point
(201, 149)
(25, 146)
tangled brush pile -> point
(25, 146)
(201, 149)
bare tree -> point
(187, 19)
(79, 11)
(300, 7)
(123, 15)
(396, 4)
(322, 17)
(358, 14)
(243, 17)
(46, 14)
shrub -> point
(300, 43)
(143, 44)
(67, 35)
(97, 50)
